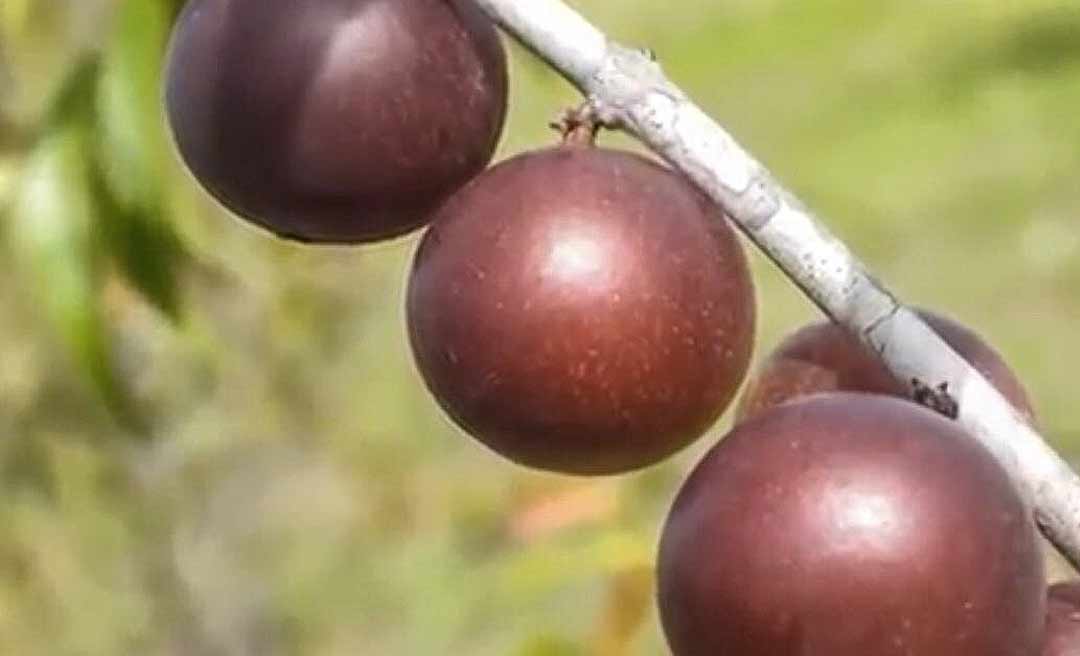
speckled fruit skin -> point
(850, 524)
(581, 310)
(335, 120)
(1063, 620)
(822, 357)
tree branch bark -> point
(627, 89)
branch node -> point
(626, 78)
(937, 398)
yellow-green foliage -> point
(276, 481)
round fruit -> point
(850, 524)
(335, 120)
(581, 310)
(1062, 620)
(823, 357)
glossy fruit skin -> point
(822, 357)
(1062, 620)
(336, 121)
(581, 310)
(850, 524)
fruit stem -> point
(578, 126)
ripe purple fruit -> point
(1062, 620)
(581, 310)
(335, 120)
(822, 357)
(845, 525)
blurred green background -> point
(214, 443)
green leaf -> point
(133, 154)
(73, 101)
(51, 231)
(129, 104)
(150, 255)
(51, 227)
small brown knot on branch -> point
(937, 398)
(577, 125)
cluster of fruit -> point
(840, 517)
(588, 311)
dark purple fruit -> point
(335, 120)
(1063, 620)
(847, 525)
(581, 310)
(822, 357)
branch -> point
(628, 89)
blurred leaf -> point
(52, 230)
(129, 101)
(148, 250)
(133, 154)
(73, 102)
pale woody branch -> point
(627, 89)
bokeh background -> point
(214, 443)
